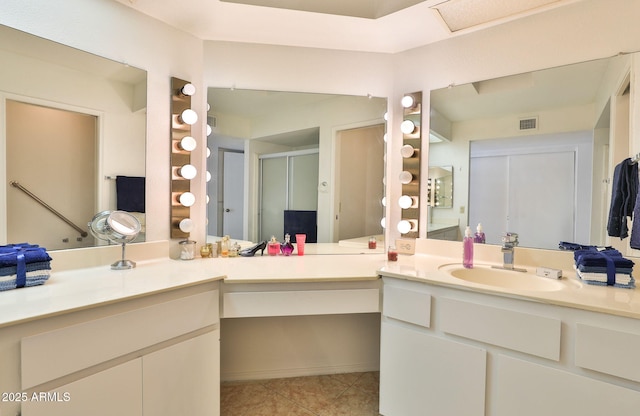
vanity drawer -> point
(608, 351)
(407, 305)
(531, 334)
(300, 302)
(50, 355)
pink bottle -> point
(467, 249)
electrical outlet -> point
(406, 246)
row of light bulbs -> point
(188, 144)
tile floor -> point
(351, 394)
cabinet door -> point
(183, 379)
(421, 374)
(527, 389)
(116, 391)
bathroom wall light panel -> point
(182, 119)
(410, 153)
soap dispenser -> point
(467, 249)
(479, 236)
(286, 248)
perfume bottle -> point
(479, 236)
(273, 247)
(286, 248)
(225, 246)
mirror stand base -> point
(123, 265)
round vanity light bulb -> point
(187, 199)
(188, 143)
(189, 116)
(406, 226)
(385, 137)
(405, 177)
(209, 130)
(208, 176)
(386, 116)
(407, 151)
(188, 90)
(407, 127)
(208, 152)
(188, 171)
(407, 101)
(186, 225)
(208, 107)
(406, 202)
(208, 199)
(384, 201)
(383, 222)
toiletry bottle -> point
(273, 247)
(225, 246)
(479, 236)
(286, 248)
(467, 249)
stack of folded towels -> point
(604, 266)
(23, 265)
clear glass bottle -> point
(467, 249)
(286, 248)
(273, 246)
(225, 246)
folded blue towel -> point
(30, 267)
(130, 193)
(602, 269)
(32, 279)
(9, 255)
(630, 285)
(565, 245)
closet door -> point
(489, 196)
(273, 196)
(542, 195)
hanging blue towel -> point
(130, 195)
(634, 241)
(623, 198)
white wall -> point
(585, 30)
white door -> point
(233, 194)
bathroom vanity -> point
(95, 341)
(455, 347)
(146, 341)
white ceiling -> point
(410, 27)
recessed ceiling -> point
(382, 26)
(368, 9)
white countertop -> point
(573, 293)
(71, 290)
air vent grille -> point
(529, 123)
(212, 121)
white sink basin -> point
(506, 279)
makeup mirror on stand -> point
(118, 227)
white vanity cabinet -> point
(152, 356)
(449, 352)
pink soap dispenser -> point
(467, 249)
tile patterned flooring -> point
(350, 394)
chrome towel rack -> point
(82, 232)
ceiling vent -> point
(529, 123)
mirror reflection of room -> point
(291, 163)
(89, 142)
(532, 152)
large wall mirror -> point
(532, 152)
(284, 160)
(74, 128)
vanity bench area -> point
(149, 341)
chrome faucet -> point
(509, 242)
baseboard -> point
(299, 372)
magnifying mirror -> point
(119, 227)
